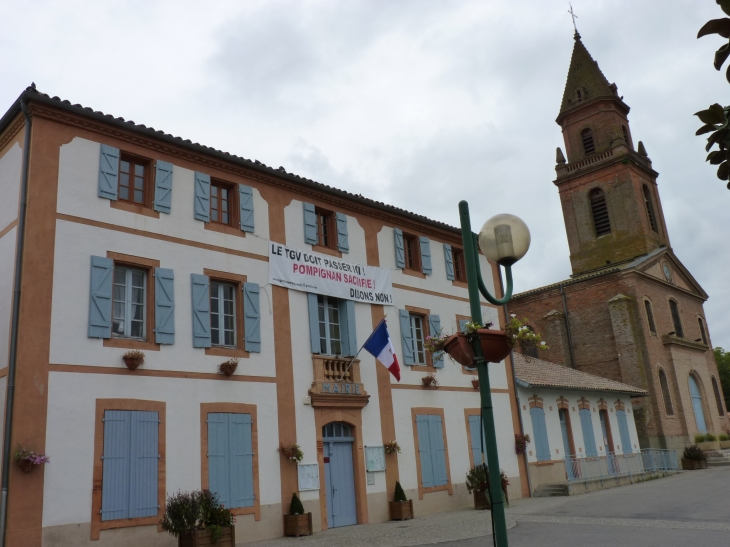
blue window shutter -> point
(434, 329)
(348, 331)
(252, 317)
(144, 464)
(219, 479)
(108, 172)
(400, 251)
(310, 224)
(163, 187)
(164, 306)
(116, 465)
(425, 255)
(589, 439)
(406, 336)
(241, 460)
(342, 242)
(424, 450)
(623, 428)
(202, 197)
(100, 297)
(449, 258)
(245, 200)
(314, 323)
(539, 431)
(201, 310)
(477, 438)
(438, 451)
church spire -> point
(585, 80)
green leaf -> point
(716, 26)
(711, 141)
(727, 74)
(705, 129)
(721, 55)
(714, 115)
(718, 157)
(712, 155)
(722, 171)
(724, 5)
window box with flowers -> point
(293, 452)
(391, 447)
(29, 460)
(229, 367)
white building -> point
(573, 414)
(137, 240)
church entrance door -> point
(694, 392)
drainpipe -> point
(10, 394)
(567, 328)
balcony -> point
(336, 385)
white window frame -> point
(326, 345)
(127, 302)
(221, 330)
(419, 355)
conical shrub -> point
(296, 507)
(400, 495)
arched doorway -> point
(339, 474)
(694, 392)
(568, 448)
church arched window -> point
(589, 146)
(599, 208)
(578, 94)
(718, 399)
(649, 208)
(626, 135)
(703, 333)
(665, 393)
(650, 316)
(674, 308)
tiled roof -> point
(532, 372)
(32, 94)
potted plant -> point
(477, 484)
(133, 358)
(28, 460)
(392, 447)
(293, 452)
(693, 458)
(297, 522)
(521, 442)
(401, 508)
(707, 442)
(198, 518)
(430, 381)
(435, 344)
(724, 441)
(475, 382)
(229, 367)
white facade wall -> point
(10, 172)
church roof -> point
(533, 372)
(584, 76)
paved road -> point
(692, 508)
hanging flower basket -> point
(475, 383)
(133, 359)
(229, 367)
(495, 347)
(430, 381)
(28, 460)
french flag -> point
(380, 346)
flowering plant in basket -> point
(293, 452)
(27, 459)
(229, 367)
(392, 447)
(435, 343)
(521, 442)
(518, 331)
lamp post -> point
(504, 239)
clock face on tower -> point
(667, 272)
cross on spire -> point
(574, 16)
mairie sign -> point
(329, 276)
(343, 387)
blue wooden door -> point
(339, 476)
(566, 445)
(697, 405)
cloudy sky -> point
(418, 103)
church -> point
(631, 311)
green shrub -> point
(186, 512)
(723, 437)
(400, 495)
(700, 438)
(477, 478)
(296, 507)
(710, 438)
(693, 452)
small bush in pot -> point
(401, 508)
(477, 483)
(694, 458)
(699, 438)
(198, 518)
(297, 522)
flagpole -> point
(358, 351)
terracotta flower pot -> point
(228, 368)
(495, 347)
(132, 362)
(26, 465)
(475, 384)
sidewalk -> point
(435, 528)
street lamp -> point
(504, 239)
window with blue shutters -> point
(623, 429)
(130, 467)
(100, 297)
(332, 325)
(245, 202)
(201, 310)
(163, 187)
(201, 203)
(539, 432)
(230, 458)
(449, 261)
(425, 248)
(325, 228)
(431, 450)
(434, 329)
(478, 442)
(414, 329)
(589, 438)
(164, 306)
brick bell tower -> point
(608, 190)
